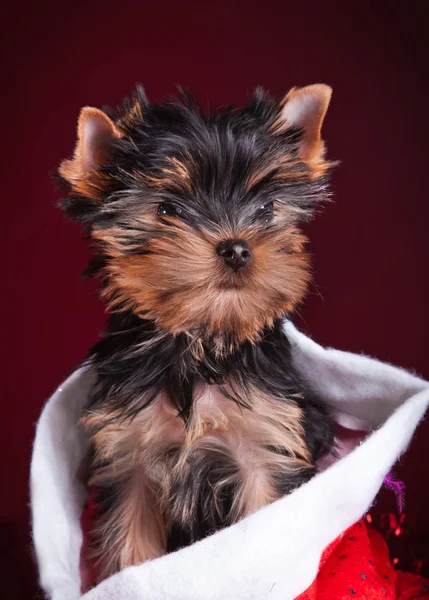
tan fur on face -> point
(283, 167)
(134, 456)
(184, 285)
(174, 176)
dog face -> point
(196, 216)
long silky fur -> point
(167, 470)
(204, 487)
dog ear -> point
(96, 134)
(306, 108)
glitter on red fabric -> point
(357, 565)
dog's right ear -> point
(306, 108)
(96, 134)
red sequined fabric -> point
(357, 565)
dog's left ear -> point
(96, 134)
(306, 108)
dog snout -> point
(235, 253)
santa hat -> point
(273, 553)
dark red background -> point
(370, 246)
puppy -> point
(197, 416)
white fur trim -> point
(57, 494)
(362, 392)
(271, 554)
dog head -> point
(195, 215)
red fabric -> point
(357, 565)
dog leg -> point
(130, 528)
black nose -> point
(235, 253)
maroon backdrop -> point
(370, 246)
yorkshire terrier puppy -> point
(196, 414)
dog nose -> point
(235, 253)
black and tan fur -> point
(197, 416)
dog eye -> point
(167, 209)
(264, 214)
